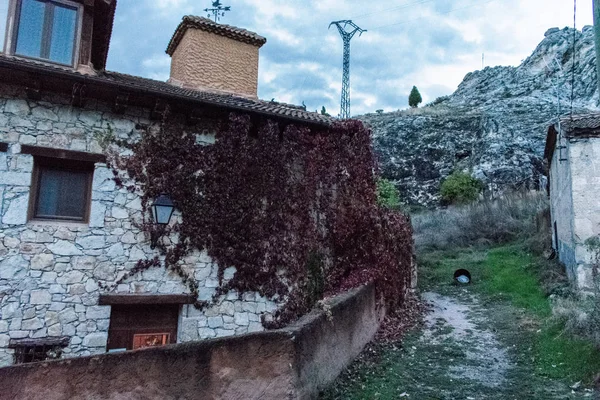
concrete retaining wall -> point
(291, 363)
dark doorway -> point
(138, 326)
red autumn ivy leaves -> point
(293, 210)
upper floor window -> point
(61, 189)
(47, 30)
(3, 19)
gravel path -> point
(486, 360)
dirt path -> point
(486, 361)
(466, 350)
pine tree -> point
(415, 98)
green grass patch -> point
(509, 273)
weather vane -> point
(217, 11)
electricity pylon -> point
(346, 37)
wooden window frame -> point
(67, 165)
(12, 31)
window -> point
(47, 30)
(34, 350)
(3, 19)
(61, 189)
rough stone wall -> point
(50, 271)
(584, 160)
(493, 126)
(291, 363)
(210, 61)
(561, 209)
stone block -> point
(103, 180)
(206, 333)
(40, 333)
(119, 213)
(64, 248)
(40, 297)
(227, 308)
(255, 327)
(13, 267)
(11, 310)
(18, 334)
(116, 250)
(98, 312)
(67, 315)
(91, 286)
(95, 340)
(42, 262)
(189, 329)
(70, 277)
(215, 322)
(51, 318)
(225, 332)
(97, 214)
(16, 214)
(44, 114)
(32, 324)
(129, 238)
(16, 106)
(84, 263)
(91, 242)
(228, 273)
(241, 319)
(55, 330)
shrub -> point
(387, 194)
(460, 188)
(502, 220)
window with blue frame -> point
(46, 30)
(3, 19)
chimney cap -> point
(205, 24)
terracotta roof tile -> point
(580, 124)
(158, 88)
(205, 24)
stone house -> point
(573, 156)
(65, 225)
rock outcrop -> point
(494, 125)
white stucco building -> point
(573, 156)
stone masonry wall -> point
(561, 208)
(49, 271)
(296, 362)
(584, 160)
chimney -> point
(215, 57)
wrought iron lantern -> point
(162, 210)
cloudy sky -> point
(428, 43)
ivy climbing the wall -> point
(293, 210)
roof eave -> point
(89, 79)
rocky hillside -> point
(494, 125)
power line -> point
(393, 8)
(574, 54)
(444, 13)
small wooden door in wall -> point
(138, 326)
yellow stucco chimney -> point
(210, 56)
